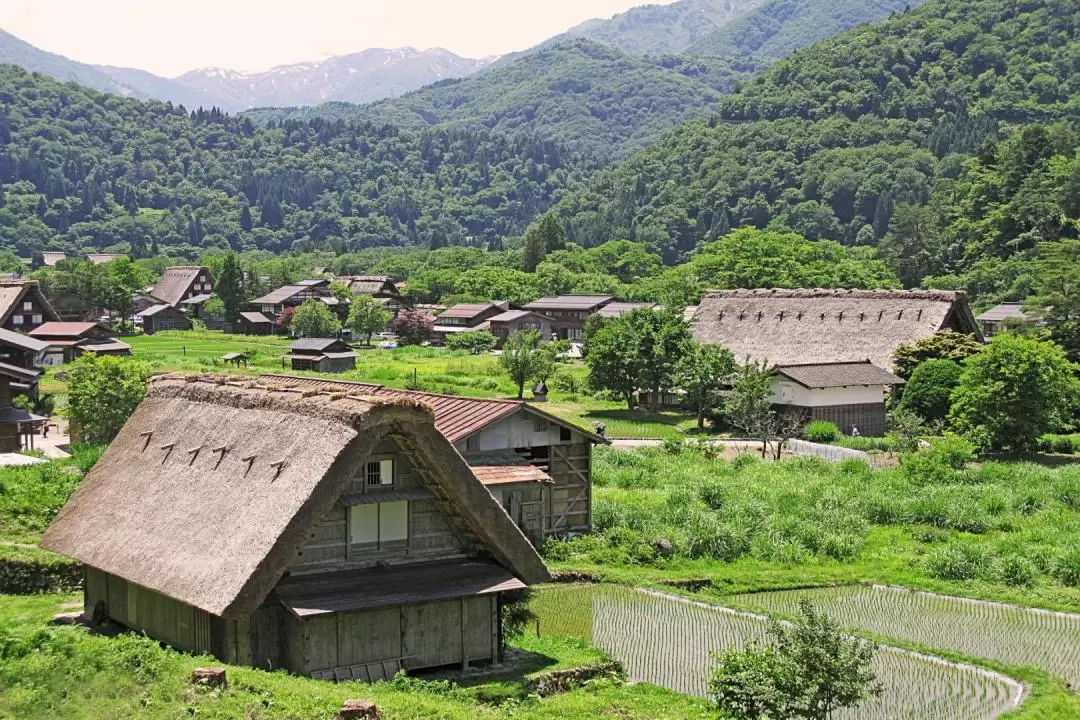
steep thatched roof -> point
(790, 327)
(176, 281)
(14, 292)
(214, 485)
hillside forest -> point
(937, 148)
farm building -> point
(507, 433)
(850, 395)
(158, 318)
(102, 258)
(49, 259)
(67, 340)
(615, 310)
(792, 327)
(568, 313)
(23, 307)
(181, 283)
(997, 318)
(464, 317)
(17, 426)
(21, 350)
(328, 355)
(254, 323)
(381, 287)
(506, 324)
(274, 302)
(335, 535)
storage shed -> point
(332, 535)
(157, 318)
(328, 355)
(850, 395)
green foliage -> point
(929, 389)
(701, 374)
(1013, 392)
(905, 430)
(103, 391)
(229, 287)
(524, 359)
(314, 319)
(367, 316)
(939, 346)
(822, 431)
(542, 239)
(638, 351)
(473, 341)
(1056, 279)
(813, 669)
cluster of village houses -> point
(346, 530)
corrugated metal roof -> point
(152, 310)
(1003, 311)
(828, 375)
(570, 302)
(315, 343)
(511, 315)
(25, 342)
(63, 329)
(256, 318)
(618, 309)
(113, 346)
(17, 373)
(510, 474)
(196, 300)
(283, 293)
(308, 595)
(465, 310)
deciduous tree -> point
(314, 320)
(523, 357)
(702, 373)
(367, 316)
(103, 391)
(412, 326)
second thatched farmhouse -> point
(330, 534)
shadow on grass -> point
(1045, 459)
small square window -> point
(565, 435)
(380, 472)
(16, 319)
(471, 443)
(540, 426)
(37, 320)
(28, 306)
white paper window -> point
(380, 472)
(393, 521)
(37, 320)
(364, 524)
(28, 306)
(16, 319)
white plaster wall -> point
(518, 430)
(786, 392)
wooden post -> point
(464, 635)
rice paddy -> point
(1014, 635)
(669, 641)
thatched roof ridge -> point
(783, 326)
(213, 486)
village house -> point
(68, 340)
(381, 287)
(328, 355)
(568, 313)
(545, 483)
(273, 303)
(23, 306)
(506, 324)
(50, 258)
(333, 535)
(849, 395)
(184, 287)
(163, 316)
(21, 350)
(795, 327)
(253, 323)
(999, 317)
(102, 258)
(17, 426)
(464, 317)
(615, 310)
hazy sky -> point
(170, 37)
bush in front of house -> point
(822, 431)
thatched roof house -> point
(23, 306)
(789, 327)
(322, 533)
(182, 282)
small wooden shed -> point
(328, 355)
(331, 535)
(157, 318)
(254, 323)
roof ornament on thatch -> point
(194, 453)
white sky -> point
(170, 37)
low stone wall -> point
(560, 681)
(27, 576)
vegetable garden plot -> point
(1015, 635)
(668, 641)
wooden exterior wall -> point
(868, 417)
(526, 504)
(168, 319)
(570, 498)
(436, 634)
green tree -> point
(541, 239)
(1015, 390)
(1056, 301)
(229, 286)
(928, 392)
(523, 357)
(812, 669)
(943, 345)
(367, 316)
(314, 320)
(412, 326)
(476, 342)
(913, 247)
(749, 407)
(103, 391)
(702, 373)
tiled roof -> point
(829, 375)
(25, 342)
(570, 302)
(465, 310)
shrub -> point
(957, 562)
(822, 431)
(1016, 570)
(927, 392)
(713, 495)
(673, 445)
(1066, 567)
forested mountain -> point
(780, 27)
(964, 108)
(79, 169)
(587, 95)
